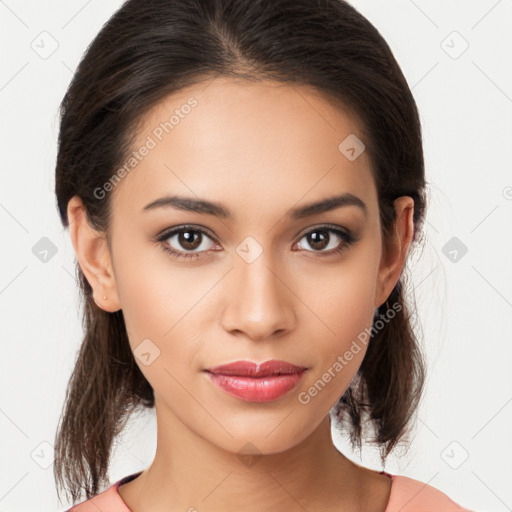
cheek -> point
(153, 294)
(352, 309)
(336, 358)
(343, 303)
(340, 327)
(161, 306)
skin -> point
(260, 149)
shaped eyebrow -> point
(202, 206)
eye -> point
(322, 241)
(186, 238)
(188, 242)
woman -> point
(242, 181)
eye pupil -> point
(318, 242)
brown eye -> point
(185, 242)
(328, 240)
(318, 239)
(189, 240)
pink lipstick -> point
(253, 382)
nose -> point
(259, 301)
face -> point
(266, 279)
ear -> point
(396, 249)
(93, 256)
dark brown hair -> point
(150, 49)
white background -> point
(465, 307)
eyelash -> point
(347, 237)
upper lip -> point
(250, 369)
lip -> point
(253, 382)
(250, 369)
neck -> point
(188, 473)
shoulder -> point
(410, 495)
(407, 495)
(107, 501)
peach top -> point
(407, 495)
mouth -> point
(257, 382)
(250, 369)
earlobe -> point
(395, 251)
(93, 256)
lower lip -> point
(262, 389)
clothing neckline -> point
(129, 478)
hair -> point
(150, 49)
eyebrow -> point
(203, 206)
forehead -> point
(250, 145)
